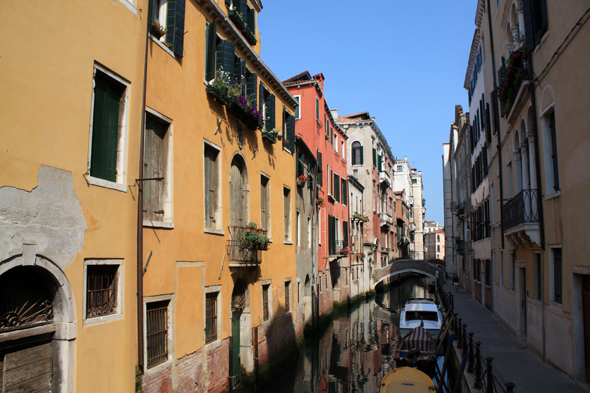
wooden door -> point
(26, 368)
(236, 215)
(586, 316)
(235, 333)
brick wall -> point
(190, 373)
(275, 338)
(218, 367)
(158, 382)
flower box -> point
(247, 115)
(249, 36)
(219, 94)
(300, 182)
(237, 18)
(271, 136)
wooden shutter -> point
(291, 132)
(239, 70)
(270, 111)
(261, 102)
(336, 187)
(224, 56)
(105, 127)
(300, 160)
(362, 155)
(210, 50)
(155, 167)
(344, 192)
(380, 163)
(331, 235)
(211, 185)
(251, 82)
(317, 109)
(264, 203)
(286, 213)
(529, 24)
(175, 26)
(344, 234)
(251, 20)
(241, 6)
(320, 168)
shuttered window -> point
(211, 317)
(155, 165)
(264, 203)
(220, 54)
(287, 213)
(265, 307)
(344, 234)
(336, 187)
(374, 158)
(317, 110)
(331, 235)
(107, 118)
(170, 14)
(289, 131)
(344, 192)
(211, 180)
(267, 108)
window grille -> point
(101, 290)
(287, 300)
(211, 318)
(157, 333)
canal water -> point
(355, 351)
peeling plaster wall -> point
(49, 216)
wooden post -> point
(509, 387)
(477, 365)
(490, 376)
(471, 360)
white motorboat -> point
(420, 312)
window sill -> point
(289, 242)
(160, 367)
(95, 181)
(129, 5)
(287, 150)
(212, 231)
(213, 345)
(158, 224)
(161, 45)
(103, 319)
(552, 195)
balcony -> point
(521, 219)
(245, 246)
(386, 220)
(384, 179)
(512, 92)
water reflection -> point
(355, 352)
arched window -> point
(357, 153)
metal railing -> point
(487, 377)
(521, 209)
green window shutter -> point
(300, 166)
(380, 163)
(362, 155)
(241, 6)
(270, 112)
(331, 235)
(224, 56)
(317, 109)
(345, 234)
(175, 26)
(336, 187)
(309, 175)
(331, 136)
(239, 69)
(251, 20)
(291, 132)
(344, 192)
(374, 158)
(105, 127)
(251, 82)
(210, 51)
(326, 124)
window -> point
(308, 233)
(342, 148)
(265, 306)
(212, 186)
(357, 153)
(288, 131)
(317, 110)
(556, 276)
(400, 168)
(265, 220)
(298, 229)
(167, 23)
(109, 129)
(336, 185)
(287, 213)
(287, 296)
(550, 150)
(103, 290)
(157, 158)
(344, 192)
(336, 143)
(157, 332)
(438, 239)
(244, 15)
(374, 158)
(211, 317)
(219, 54)
(298, 109)
(267, 108)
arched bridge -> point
(406, 265)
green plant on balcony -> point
(320, 202)
(360, 217)
(301, 180)
(272, 136)
(513, 78)
(254, 240)
(220, 86)
(345, 251)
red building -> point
(316, 126)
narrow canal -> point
(354, 351)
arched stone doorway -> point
(37, 329)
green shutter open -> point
(175, 26)
(210, 51)
(224, 56)
(344, 234)
(270, 112)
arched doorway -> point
(35, 346)
(240, 328)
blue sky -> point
(404, 61)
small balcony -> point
(521, 219)
(386, 220)
(384, 179)
(244, 248)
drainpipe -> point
(140, 342)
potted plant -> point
(157, 29)
(252, 225)
(255, 241)
(320, 202)
(272, 136)
(301, 180)
(345, 251)
(219, 87)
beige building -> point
(434, 244)
(527, 73)
(71, 109)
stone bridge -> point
(399, 266)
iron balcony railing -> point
(521, 209)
